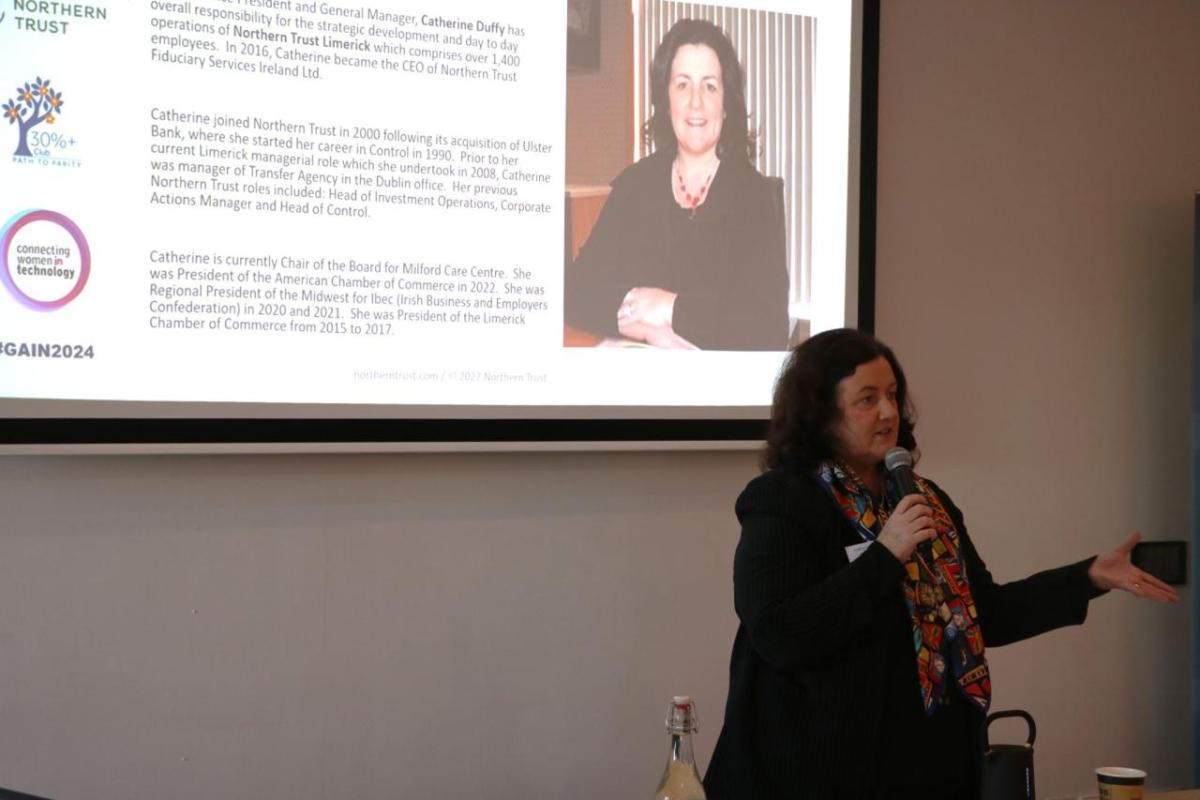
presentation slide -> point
(462, 206)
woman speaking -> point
(859, 668)
(689, 250)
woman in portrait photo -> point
(689, 251)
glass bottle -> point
(680, 780)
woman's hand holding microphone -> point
(910, 523)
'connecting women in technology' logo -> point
(44, 259)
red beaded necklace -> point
(692, 202)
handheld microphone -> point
(899, 463)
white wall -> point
(506, 626)
(513, 625)
(1038, 162)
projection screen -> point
(273, 221)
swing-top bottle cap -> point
(681, 716)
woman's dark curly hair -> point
(805, 407)
(737, 141)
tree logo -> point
(36, 103)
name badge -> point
(856, 550)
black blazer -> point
(806, 689)
(728, 264)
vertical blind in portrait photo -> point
(702, 241)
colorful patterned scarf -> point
(945, 621)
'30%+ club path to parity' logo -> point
(37, 104)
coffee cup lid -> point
(1120, 776)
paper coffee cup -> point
(1120, 783)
